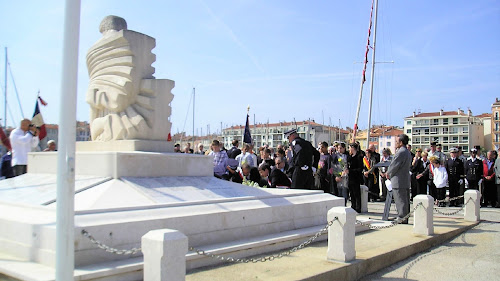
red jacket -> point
(489, 172)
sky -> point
(285, 59)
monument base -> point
(126, 145)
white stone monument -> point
(129, 108)
(126, 185)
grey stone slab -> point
(40, 189)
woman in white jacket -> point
(440, 179)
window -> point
(454, 130)
(435, 122)
(445, 121)
(465, 139)
(454, 140)
(434, 131)
(445, 130)
(426, 139)
(445, 148)
(496, 115)
(388, 137)
(497, 137)
(388, 143)
(497, 126)
(455, 120)
(409, 122)
(465, 129)
(445, 139)
(465, 148)
(408, 131)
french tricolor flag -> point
(38, 119)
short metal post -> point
(341, 234)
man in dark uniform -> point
(455, 169)
(303, 160)
(473, 169)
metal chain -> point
(450, 199)
(107, 248)
(452, 213)
(267, 258)
(392, 223)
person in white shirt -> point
(23, 139)
(440, 179)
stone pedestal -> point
(341, 234)
(126, 164)
(423, 217)
(164, 253)
(125, 146)
(472, 205)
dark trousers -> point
(355, 192)
(302, 179)
(20, 170)
(402, 200)
(414, 185)
(490, 193)
(432, 189)
(422, 186)
(473, 184)
(384, 188)
(454, 191)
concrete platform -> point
(376, 249)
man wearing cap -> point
(399, 175)
(473, 170)
(303, 160)
(455, 169)
(434, 152)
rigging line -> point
(15, 88)
(187, 113)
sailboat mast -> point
(363, 76)
(194, 93)
(5, 92)
(372, 75)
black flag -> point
(247, 138)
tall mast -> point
(363, 77)
(5, 92)
(372, 75)
(194, 93)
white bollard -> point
(364, 199)
(341, 234)
(472, 207)
(164, 253)
(423, 219)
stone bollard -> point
(423, 219)
(341, 234)
(472, 207)
(364, 199)
(164, 253)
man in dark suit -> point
(399, 175)
(304, 158)
(455, 169)
(277, 177)
(234, 151)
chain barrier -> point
(454, 212)
(450, 199)
(392, 223)
(267, 258)
(107, 248)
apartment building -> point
(381, 137)
(450, 128)
(272, 134)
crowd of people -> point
(340, 169)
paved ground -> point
(473, 255)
